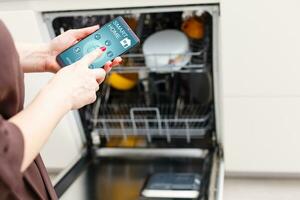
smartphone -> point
(116, 36)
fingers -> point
(117, 61)
(81, 33)
(96, 85)
(90, 58)
(107, 66)
(99, 74)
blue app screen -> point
(116, 36)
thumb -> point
(92, 56)
(99, 74)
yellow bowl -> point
(122, 81)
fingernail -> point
(96, 26)
(103, 48)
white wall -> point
(261, 66)
(65, 144)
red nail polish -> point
(103, 48)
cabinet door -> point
(262, 135)
(260, 49)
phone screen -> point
(116, 36)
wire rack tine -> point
(106, 131)
(149, 138)
(123, 129)
(159, 121)
(167, 131)
(188, 136)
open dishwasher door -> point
(154, 131)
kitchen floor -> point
(261, 189)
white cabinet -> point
(262, 134)
(260, 47)
(261, 66)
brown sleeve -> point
(11, 156)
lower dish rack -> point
(152, 122)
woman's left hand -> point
(64, 41)
(42, 58)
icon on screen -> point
(97, 36)
(77, 49)
(107, 43)
(125, 42)
(110, 54)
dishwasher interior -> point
(156, 113)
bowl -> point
(167, 49)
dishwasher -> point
(154, 130)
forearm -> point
(33, 57)
(37, 122)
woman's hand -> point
(42, 57)
(77, 84)
(71, 88)
(62, 42)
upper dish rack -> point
(195, 61)
(137, 63)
